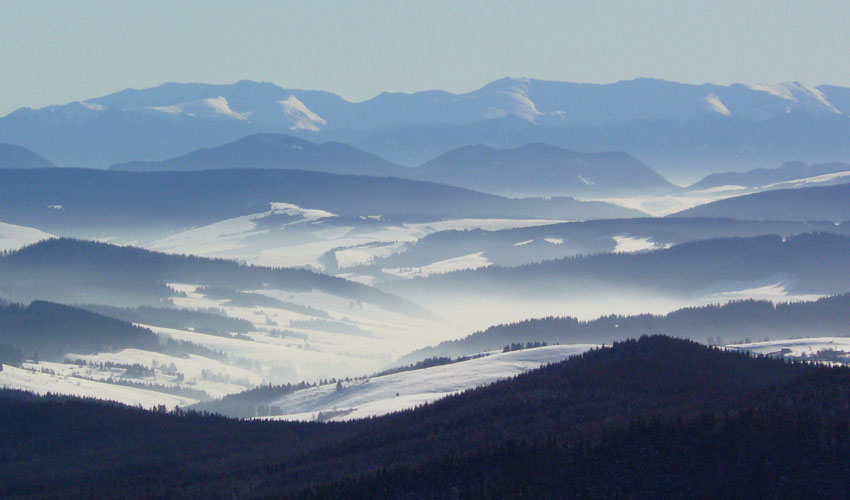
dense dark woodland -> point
(652, 418)
(49, 331)
(811, 263)
(81, 202)
(720, 323)
(585, 237)
(77, 271)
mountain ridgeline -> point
(77, 271)
(824, 203)
(681, 129)
(48, 331)
(540, 169)
(12, 156)
(274, 151)
(813, 263)
(664, 416)
(94, 203)
(531, 170)
(717, 323)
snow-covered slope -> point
(389, 393)
(13, 237)
(33, 380)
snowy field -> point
(399, 391)
(308, 235)
(13, 237)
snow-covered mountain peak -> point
(300, 115)
(798, 93)
(211, 107)
(716, 105)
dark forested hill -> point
(91, 203)
(648, 418)
(733, 321)
(807, 263)
(12, 156)
(77, 271)
(276, 151)
(49, 330)
(829, 203)
(542, 170)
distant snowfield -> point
(776, 288)
(309, 234)
(390, 393)
(43, 383)
(13, 237)
(464, 262)
(628, 244)
(796, 347)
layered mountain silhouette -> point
(531, 170)
(825, 203)
(276, 151)
(12, 156)
(89, 203)
(682, 129)
(542, 170)
(789, 174)
(811, 263)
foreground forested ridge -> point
(666, 418)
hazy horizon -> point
(61, 52)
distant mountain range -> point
(531, 170)
(12, 156)
(825, 203)
(684, 130)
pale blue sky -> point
(60, 51)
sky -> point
(53, 52)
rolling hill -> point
(103, 204)
(826, 203)
(275, 151)
(542, 170)
(12, 156)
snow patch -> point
(464, 262)
(300, 116)
(716, 104)
(209, 107)
(521, 243)
(585, 180)
(554, 241)
(628, 244)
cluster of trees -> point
(518, 346)
(649, 418)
